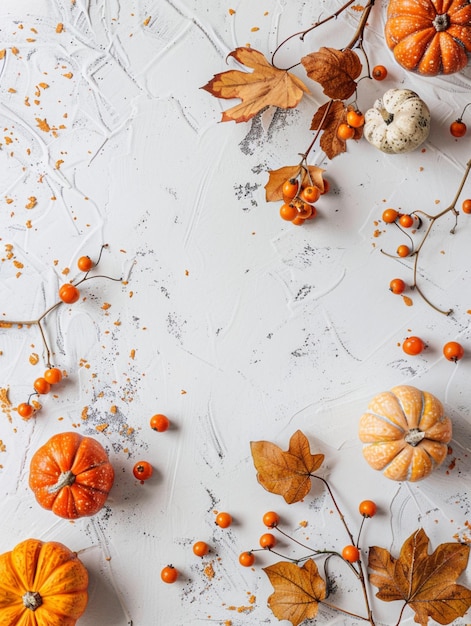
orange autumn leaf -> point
(328, 119)
(286, 473)
(312, 175)
(335, 70)
(297, 590)
(264, 86)
(423, 581)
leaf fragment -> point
(335, 70)
(297, 590)
(328, 118)
(286, 473)
(423, 581)
(265, 86)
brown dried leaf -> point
(276, 179)
(297, 591)
(425, 582)
(328, 118)
(286, 473)
(265, 86)
(335, 70)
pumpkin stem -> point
(32, 600)
(441, 22)
(65, 480)
(387, 116)
(414, 436)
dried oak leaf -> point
(328, 118)
(425, 582)
(286, 473)
(277, 178)
(297, 590)
(335, 70)
(265, 86)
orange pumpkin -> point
(71, 475)
(42, 584)
(429, 36)
(406, 433)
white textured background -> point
(244, 327)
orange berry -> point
(247, 559)
(367, 508)
(345, 132)
(304, 210)
(288, 212)
(458, 128)
(223, 519)
(397, 285)
(25, 410)
(159, 422)
(403, 250)
(200, 548)
(69, 293)
(85, 264)
(42, 386)
(355, 119)
(379, 72)
(290, 189)
(466, 206)
(351, 554)
(310, 194)
(169, 574)
(413, 346)
(453, 351)
(53, 375)
(406, 221)
(390, 216)
(268, 541)
(271, 519)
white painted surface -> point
(244, 327)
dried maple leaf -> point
(297, 590)
(425, 582)
(335, 70)
(265, 86)
(286, 473)
(312, 175)
(328, 118)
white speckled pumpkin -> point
(398, 122)
(405, 432)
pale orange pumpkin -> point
(405, 432)
(42, 584)
(429, 36)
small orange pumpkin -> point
(429, 36)
(406, 433)
(42, 584)
(71, 475)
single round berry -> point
(271, 519)
(69, 293)
(406, 221)
(390, 216)
(413, 346)
(42, 386)
(25, 410)
(268, 541)
(298, 221)
(169, 574)
(247, 559)
(403, 250)
(466, 206)
(85, 263)
(453, 351)
(458, 128)
(355, 119)
(159, 422)
(310, 194)
(379, 72)
(223, 519)
(351, 554)
(304, 210)
(345, 132)
(142, 470)
(367, 508)
(53, 375)
(290, 189)
(200, 548)
(397, 286)
(288, 212)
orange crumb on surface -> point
(407, 301)
(231, 11)
(105, 306)
(209, 571)
(254, 29)
(34, 358)
(113, 409)
(101, 427)
(67, 75)
(60, 27)
(146, 21)
(32, 202)
(43, 125)
(132, 354)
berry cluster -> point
(299, 200)
(68, 294)
(350, 553)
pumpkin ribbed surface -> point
(405, 432)
(71, 475)
(42, 584)
(429, 36)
